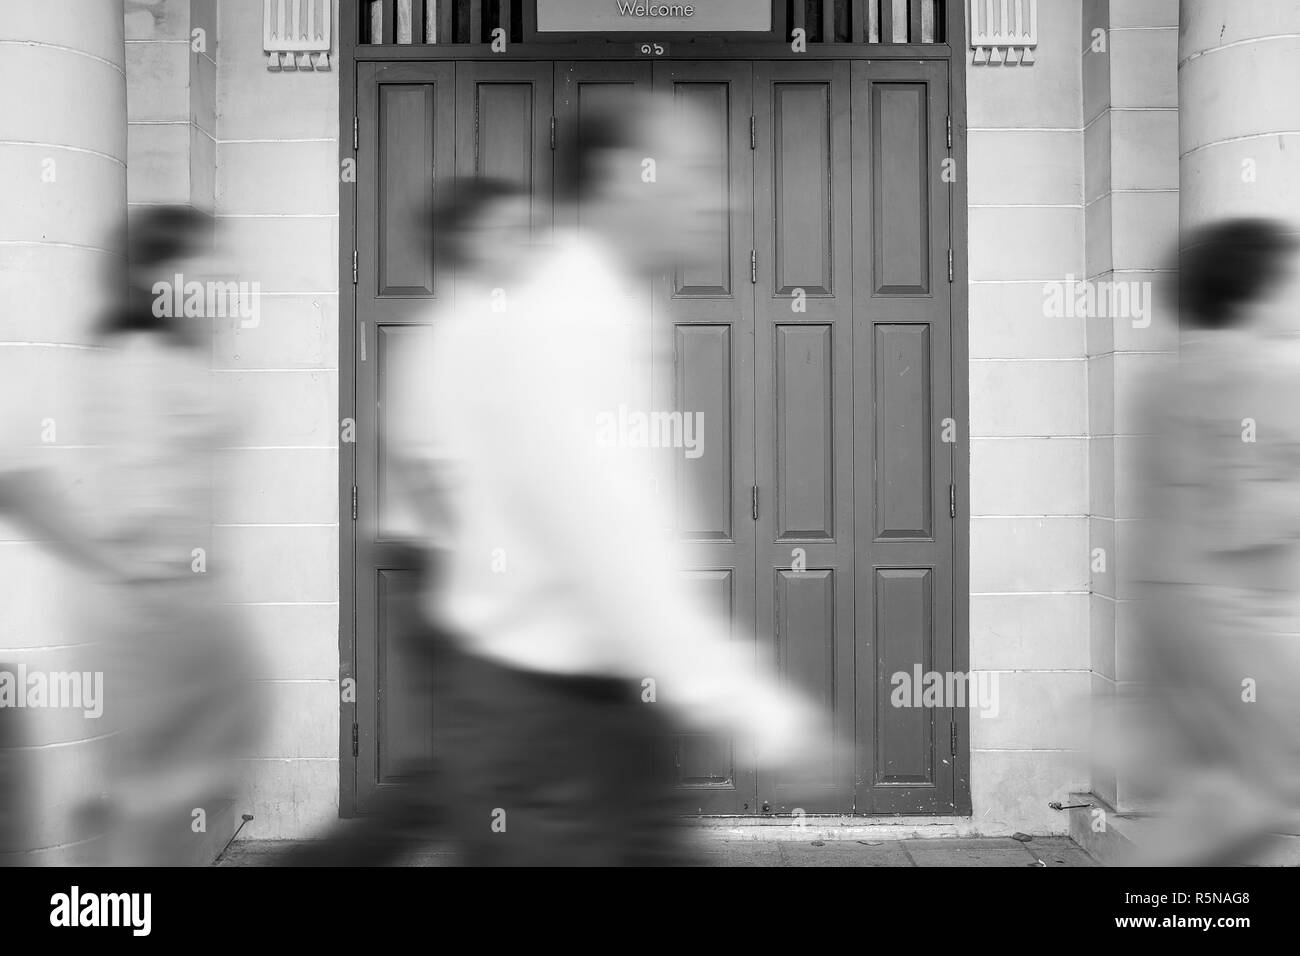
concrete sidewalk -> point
(721, 851)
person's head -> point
(647, 175)
(161, 243)
(479, 226)
(1229, 271)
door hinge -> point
(354, 502)
(952, 501)
(753, 267)
(354, 266)
(356, 133)
(950, 132)
(949, 265)
(356, 740)
(753, 502)
(753, 133)
(552, 132)
(952, 738)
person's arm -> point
(26, 497)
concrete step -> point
(832, 828)
(1109, 837)
(1118, 839)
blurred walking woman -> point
(1221, 559)
(176, 686)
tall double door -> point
(814, 339)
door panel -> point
(703, 319)
(902, 394)
(408, 116)
(503, 118)
(802, 178)
(419, 123)
(904, 454)
(406, 135)
(804, 423)
(705, 490)
(804, 418)
(905, 751)
(900, 176)
(707, 768)
(582, 86)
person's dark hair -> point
(1227, 265)
(582, 144)
(153, 237)
(450, 218)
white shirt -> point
(562, 563)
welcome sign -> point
(648, 16)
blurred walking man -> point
(576, 648)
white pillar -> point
(1239, 110)
(62, 193)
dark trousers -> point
(543, 769)
(529, 769)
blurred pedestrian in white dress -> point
(178, 683)
(1220, 552)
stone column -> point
(1131, 224)
(62, 193)
(171, 79)
(1239, 110)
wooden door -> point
(815, 340)
(503, 120)
(581, 87)
(418, 124)
(902, 394)
(406, 137)
(704, 320)
(804, 334)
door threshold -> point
(833, 827)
